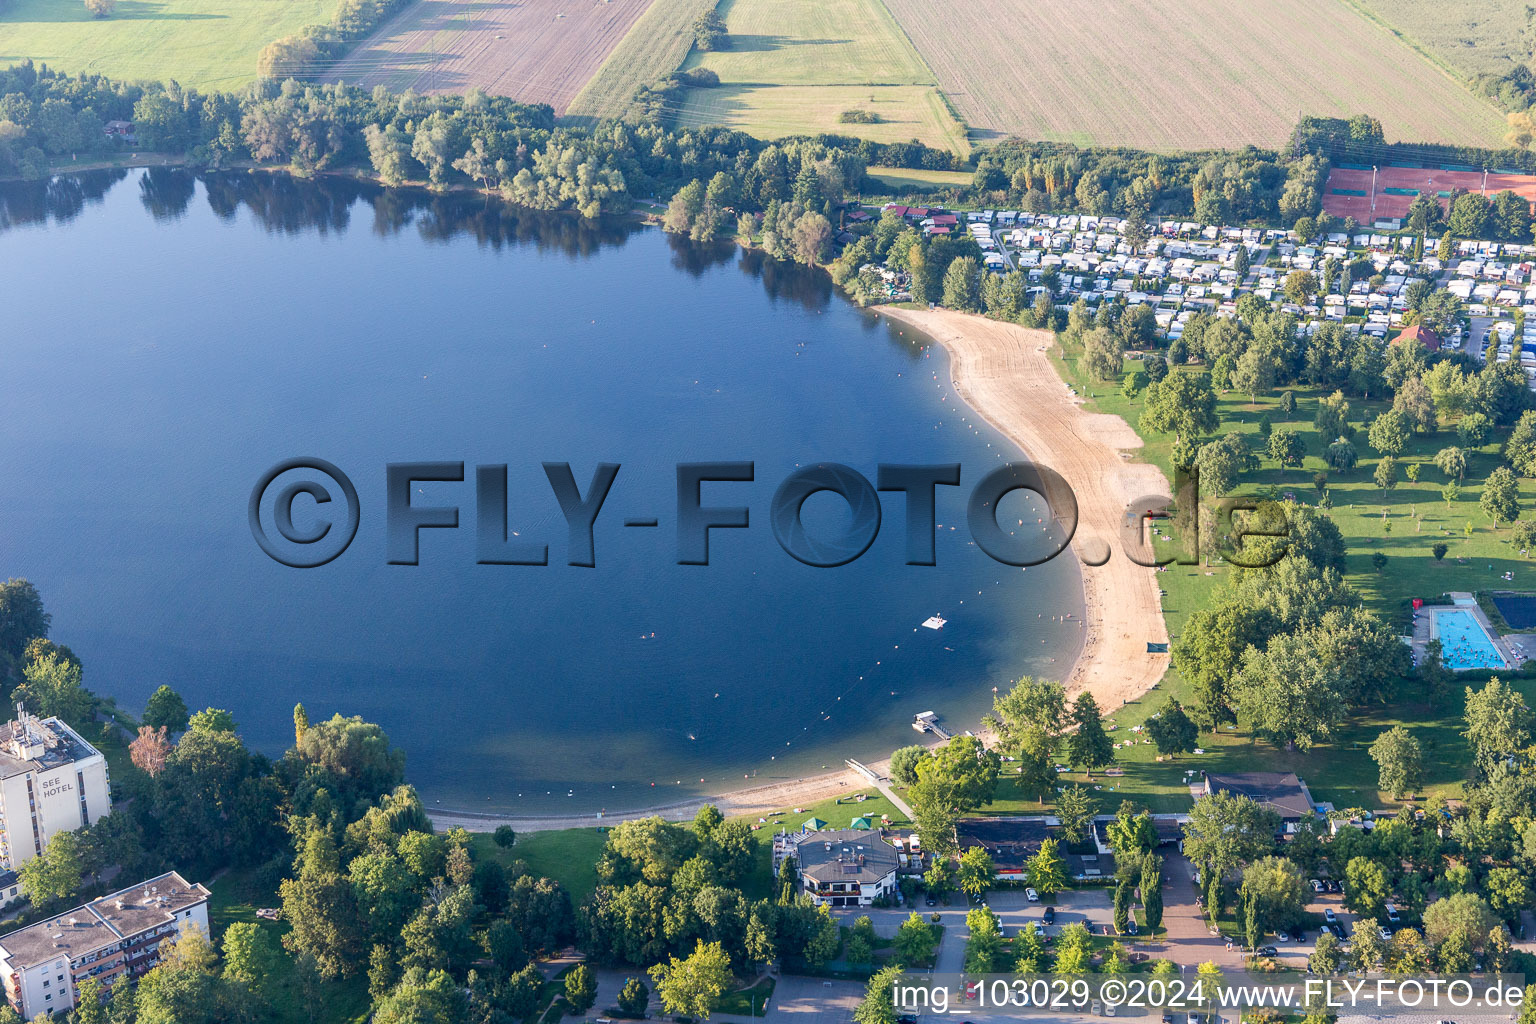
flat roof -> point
(103, 922)
(70, 749)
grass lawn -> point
(210, 44)
(236, 897)
(747, 1002)
(569, 856)
(793, 66)
(1415, 518)
(901, 180)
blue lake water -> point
(169, 339)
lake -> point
(169, 338)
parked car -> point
(1318, 886)
(931, 901)
(1386, 936)
(1131, 927)
(1392, 915)
(1267, 951)
(1031, 895)
(1049, 917)
(1283, 936)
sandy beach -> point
(1004, 373)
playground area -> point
(1369, 194)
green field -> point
(909, 179)
(653, 48)
(237, 894)
(1341, 772)
(209, 44)
(1489, 37)
(794, 66)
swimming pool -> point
(1464, 642)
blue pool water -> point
(1465, 643)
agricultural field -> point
(208, 44)
(537, 51)
(655, 47)
(1487, 37)
(916, 179)
(1183, 74)
(794, 66)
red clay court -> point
(1350, 190)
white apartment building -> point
(51, 781)
(115, 937)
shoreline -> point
(1004, 374)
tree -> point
(1074, 811)
(1386, 473)
(55, 873)
(1274, 889)
(1089, 744)
(504, 836)
(878, 1005)
(1325, 957)
(904, 764)
(1498, 723)
(914, 941)
(212, 720)
(1182, 404)
(1341, 456)
(1256, 370)
(1047, 872)
(1474, 430)
(1286, 447)
(810, 237)
(580, 989)
(690, 987)
(1131, 834)
(251, 957)
(1367, 886)
(1500, 500)
(1289, 692)
(1389, 433)
(1400, 761)
(961, 776)
(709, 31)
(1465, 915)
(150, 750)
(1300, 285)
(1452, 462)
(1332, 419)
(1172, 730)
(1152, 890)
(976, 871)
(962, 288)
(51, 686)
(1103, 354)
(633, 997)
(1366, 950)
(1226, 830)
(1221, 461)
(166, 708)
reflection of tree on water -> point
(167, 191)
(284, 204)
(59, 199)
(809, 286)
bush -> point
(700, 78)
(101, 8)
(858, 117)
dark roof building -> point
(1013, 842)
(847, 867)
(1281, 792)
